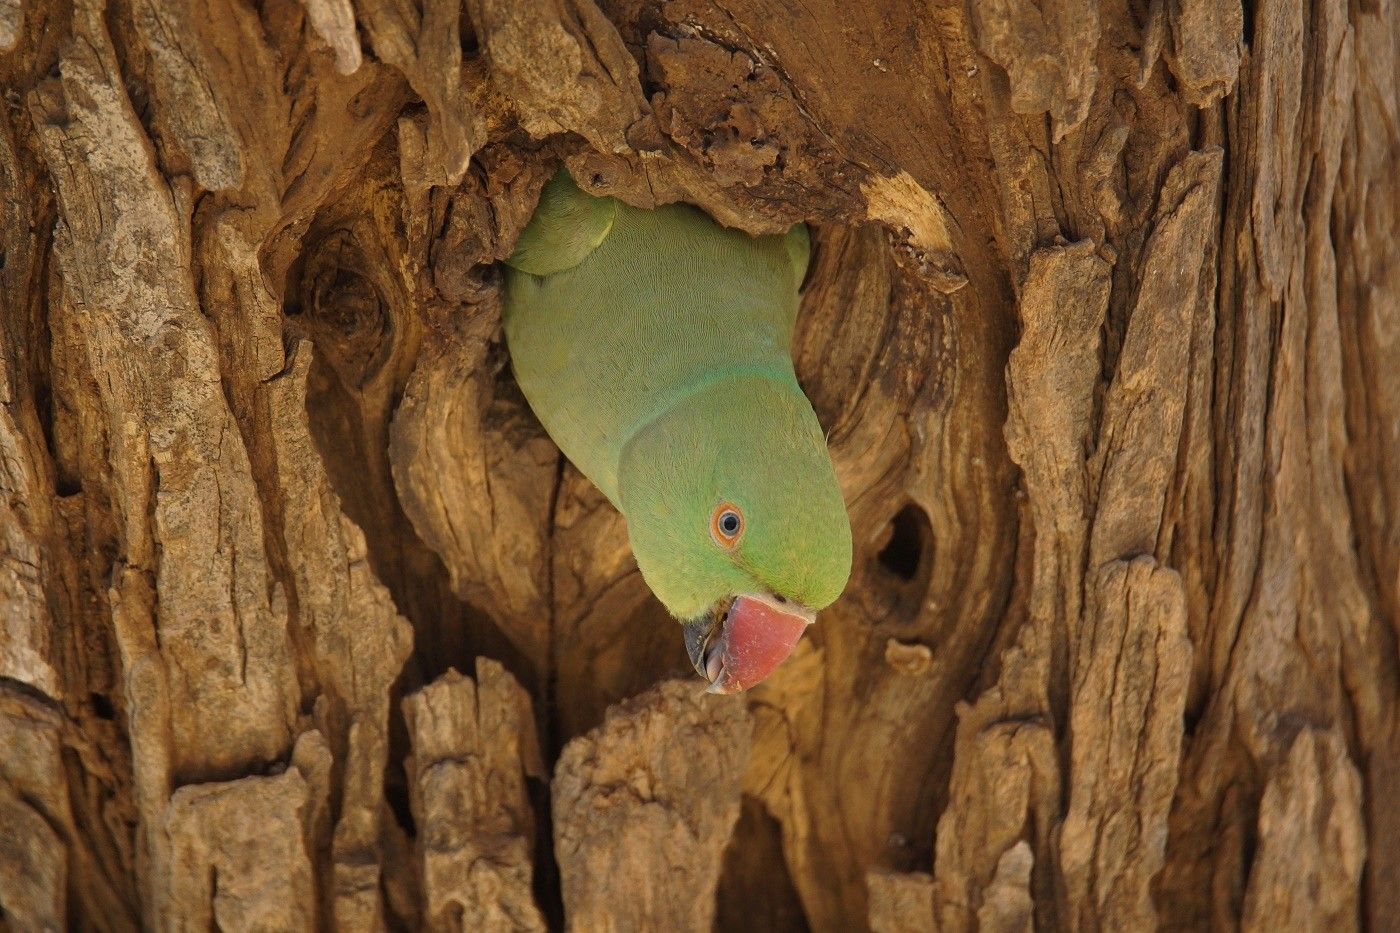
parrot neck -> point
(777, 373)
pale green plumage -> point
(654, 346)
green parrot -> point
(655, 348)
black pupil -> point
(729, 523)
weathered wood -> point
(473, 747)
(644, 806)
(1101, 324)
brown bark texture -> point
(306, 624)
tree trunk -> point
(1104, 326)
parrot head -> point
(737, 523)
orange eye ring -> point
(727, 525)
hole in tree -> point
(755, 889)
(102, 707)
(909, 534)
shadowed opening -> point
(909, 533)
(102, 707)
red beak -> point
(757, 635)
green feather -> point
(655, 347)
(567, 225)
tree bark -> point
(1103, 323)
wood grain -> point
(1101, 324)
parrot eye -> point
(726, 525)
